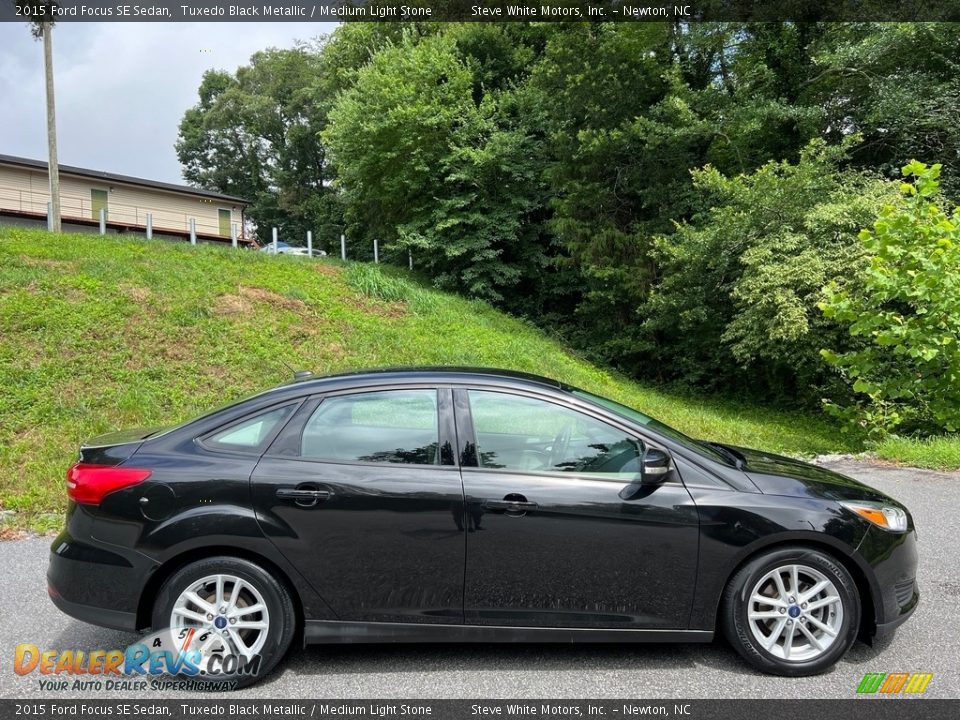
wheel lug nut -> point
(233, 620)
(782, 610)
(791, 600)
(209, 617)
(803, 605)
(789, 622)
(223, 610)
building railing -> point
(76, 208)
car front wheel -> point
(792, 611)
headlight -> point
(883, 516)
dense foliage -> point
(907, 308)
(669, 198)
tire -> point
(753, 609)
(255, 587)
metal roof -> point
(124, 179)
(435, 373)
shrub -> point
(906, 312)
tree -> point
(430, 160)
(736, 305)
(898, 86)
(905, 374)
(255, 133)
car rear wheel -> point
(792, 611)
(239, 617)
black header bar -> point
(479, 10)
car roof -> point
(433, 374)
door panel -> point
(378, 529)
(582, 558)
(547, 548)
(386, 544)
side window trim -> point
(259, 450)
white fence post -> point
(193, 231)
(376, 251)
(310, 243)
(103, 221)
(149, 226)
(233, 234)
(343, 246)
(410, 259)
(274, 241)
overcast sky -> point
(121, 88)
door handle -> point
(303, 496)
(515, 505)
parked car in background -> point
(458, 505)
(281, 248)
(306, 252)
(285, 248)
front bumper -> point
(893, 560)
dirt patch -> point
(380, 308)
(136, 293)
(261, 295)
(231, 305)
(46, 262)
(325, 269)
(247, 298)
(9, 533)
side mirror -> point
(654, 470)
(656, 467)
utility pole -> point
(53, 165)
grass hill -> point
(104, 333)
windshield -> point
(647, 421)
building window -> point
(224, 216)
(98, 200)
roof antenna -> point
(297, 374)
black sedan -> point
(451, 505)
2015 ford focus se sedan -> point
(472, 505)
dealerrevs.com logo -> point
(894, 683)
(166, 660)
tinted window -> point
(250, 434)
(656, 425)
(394, 426)
(526, 434)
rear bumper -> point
(104, 617)
(98, 584)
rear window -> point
(250, 434)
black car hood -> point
(779, 475)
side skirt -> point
(334, 632)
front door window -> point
(518, 433)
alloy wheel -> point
(795, 613)
(228, 616)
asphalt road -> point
(930, 642)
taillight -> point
(88, 484)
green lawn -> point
(103, 333)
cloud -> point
(121, 88)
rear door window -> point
(391, 426)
